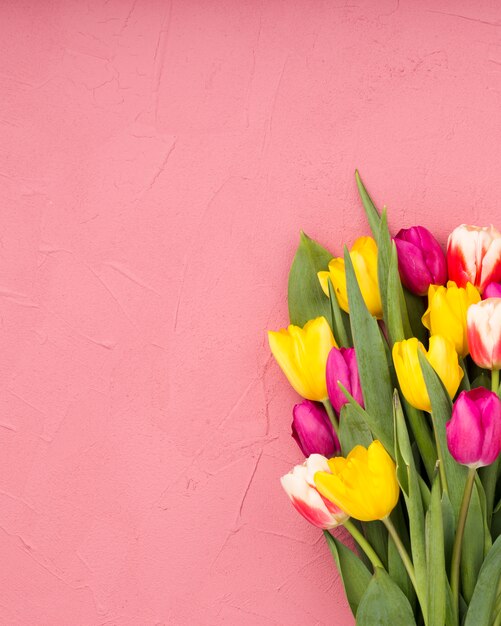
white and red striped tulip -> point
(474, 255)
(299, 485)
(484, 333)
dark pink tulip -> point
(474, 431)
(313, 431)
(342, 367)
(493, 290)
(421, 261)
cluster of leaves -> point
(426, 515)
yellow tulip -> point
(441, 355)
(363, 485)
(364, 257)
(446, 313)
(302, 354)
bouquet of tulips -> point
(395, 348)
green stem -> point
(495, 381)
(458, 540)
(332, 416)
(364, 544)
(401, 550)
(441, 466)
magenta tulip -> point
(342, 367)
(493, 290)
(421, 261)
(313, 431)
(474, 431)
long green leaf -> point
(338, 326)
(371, 359)
(353, 429)
(435, 560)
(441, 413)
(412, 495)
(472, 554)
(354, 574)
(480, 611)
(305, 296)
(384, 603)
(383, 262)
(369, 206)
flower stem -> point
(364, 544)
(441, 466)
(458, 540)
(406, 560)
(495, 381)
(332, 416)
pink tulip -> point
(342, 367)
(493, 290)
(421, 261)
(313, 431)
(474, 431)
(300, 487)
(484, 333)
(474, 255)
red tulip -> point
(484, 333)
(474, 255)
(342, 367)
(313, 431)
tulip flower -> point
(474, 255)
(342, 367)
(299, 485)
(484, 333)
(441, 355)
(421, 261)
(364, 484)
(474, 431)
(313, 431)
(302, 354)
(364, 257)
(493, 290)
(446, 313)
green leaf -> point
(435, 560)
(383, 240)
(353, 429)
(384, 603)
(441, 413)
(353, 572)
(373, 424)
(480, 611)
(371, 359)
(448, 525)
(421, 431)
(412, 495)
(472, 554)
(369, 206)
(489, 476)
(306, 298)
(396, 567)
(338, 326)
(377, 535)
(416, 308)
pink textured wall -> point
(157, 161)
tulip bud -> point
(302, 354)
(342, 367)
(421, 261)
(313, 431)
(474, 255)
(363, 254)
(484, 333)
(493, 290)
(299, 485)
(364, 483)
(446, 312)
(474, 431)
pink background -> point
(157, 161)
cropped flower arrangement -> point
(395, 348)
